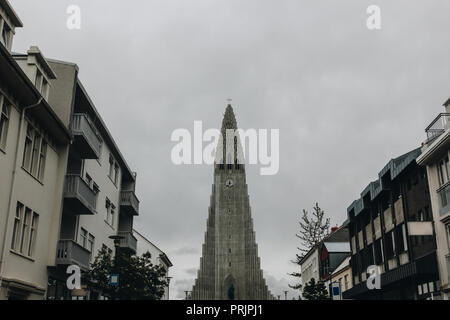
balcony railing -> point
(128, 241)
(86, 140)
(69, 252)
(129, 202)
(438, 126)
(79, 198)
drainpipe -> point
(13, 182)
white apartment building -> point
(34, 145)
(158, 256)
(99, 193)
(435, 156)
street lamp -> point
(285, 295)
(116, 239)
(168, 287)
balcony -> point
(79, 198)
(128, 242)
(69, 252)
(438, 126)
(129, 203)
(86, 140)
(425, 267)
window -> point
(111, 166)
(34, 154)
(400, 238)
(45, 89)
(443, 171)
(28, 148)
(116, 173)
(42, 84)
(390, 245)
(378, 250)
(91, 241)
(447, 227)
(83, 237)
(346, 282)
(16, 229)
(33, 228)
(89, 180)
(110, 212)
(113, 169)
(5, 35)
(229, 250)
(42, 157)
(24, 230)
(4, 121)
(96, 188)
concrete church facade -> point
(230, 266)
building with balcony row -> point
(65, 186)
(391, 227)
(435, 157)
(99, 197)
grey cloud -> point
(185, 250)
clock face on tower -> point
(229, 183)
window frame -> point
(91, 243)
(5, 31)
(83, 237)
(20, 208)
(35, 152)
(443, 165)
(5, 114)
(33, 234)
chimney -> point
(333, 229)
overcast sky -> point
(346, 100)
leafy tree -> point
(312, 231)
(139, 279)
(315, 291)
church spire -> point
(229, 120)
(229, 150)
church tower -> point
(230, 266)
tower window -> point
(229, 250)
(229, 264)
